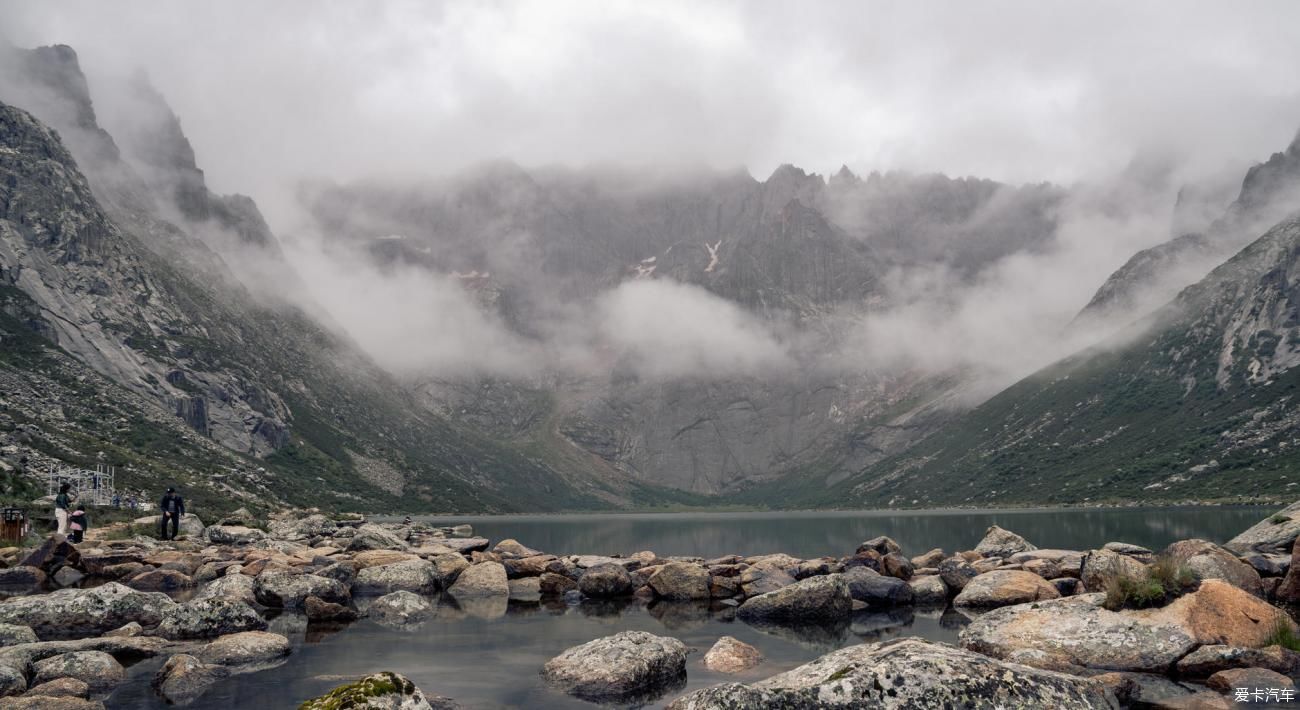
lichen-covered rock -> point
(160, 580)
(233, 535)
(1209, 561)
(551, 584)
(447, 567)
(882, 544)
(98, 670)
(1064, 634)
(929, 591)
(929, 559)
(283, 589)
(680, 581)
(810, 601)
(416, 576)
(53, 553)
(1208, 660)
(1226, 681)
(526, 589)
(380, 691)
(628, 666)
(80, 612)
(13, 634)
(248, 648)
(305, 528)
(1004, 588)
(763, 578)
(373, 537)
(400, 608)
(1276, 533)
(485, 579)
(730, 655)
(61, 688)
(209, 618)
(513, 548)
(238, 587)
(876, 590)
(1221, 613)
(318, 609)
(998, 542)
(904, 674)
(184, 678)
(1100, 567)
(956, 572)
(605, 581)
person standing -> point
(62, 502)
(79, 522)
(172, 507)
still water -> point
(489, 654)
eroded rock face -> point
(380, 691)
(98, 670)
(1077, 632)
(680, 581)
(82, 612)
(1004, 588)
(810, 601)
(209, 618)
(628, 666)
(730, 655)
(184, 678)
(605, 581)
(485, 579)
(1002, 543)
(907, 673)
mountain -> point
(1195, 402)
(159, 358)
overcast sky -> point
(273, 91)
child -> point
(78, 522)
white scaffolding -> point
(90, 487)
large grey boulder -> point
(82, 612)
(233, 535)
(810, 601)
(1004, 588)
(1210, 561)
(14, 634)
(305, 528)
(485, 579)
(99, 670)
(184, 678)
(373, 537)
(1100, 567)
(417, 576)
(605, 581)
(246, 649)
(209, 618)
(282, 589)
(400, 609)
(447, 567)
(929, 591)
(628, 666)
(680, 581)
(1076, 632)
(956, 572)
(876, 590)
(239, 587)
(998, 542)
(1276, 533)
(904, 674)
(731, 655)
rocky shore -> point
(1118, 626)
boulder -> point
(1137, 552)
(52, 554)
(22, 580)
(14, 634)
(1069, 562)
(373, 537)
(318, 609)
(160, 580)
(1208, 660)
(379, 691)
(184, 678)
(1002, 543)
(401, 608)
(1227, 681)
(882, 544)
(98, 670)
(1276, 533)
(1221, 613)
(876, 590)
(929, 590)
(305, 528)
(249, 648)
(190, 526)
(903, 674)
(527, 566)
(68, 577)
(486, 579)
(374, 558)
(209, 618)
(343, 572)
(730, 655)
(629, 666)
(130, 630)
(97, 564)
(417, 576)
(810, 601)
(929, 559)
(895, 565)
(513, 548)
(956, 572)
(680, 580)
(61, 688)
(1076, 632)
(525, 589)
(1102, 566)
(551, 584)
(1004, 588)
(1209, 561)
(764, 578)
(233, 535)
(280, 589)
(605, 581)
(81, 612)
(447, 567)
(232, 586)
(466, 544)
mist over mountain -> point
(637, 312)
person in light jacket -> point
(62, 502)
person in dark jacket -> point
(79, 522)
(172, 507)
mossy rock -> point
(380, 690)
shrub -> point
(1283, 635)
(1279, 519)
(1165, 580)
